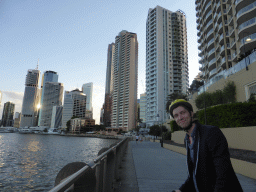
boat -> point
(53, 131)
(25, 130)
(3, 130)
(37, 129)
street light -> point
(161, 141)
(247, 40)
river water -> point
(31, 162)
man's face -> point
(182, 117)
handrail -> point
(69, 181)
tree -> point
(229, 92)
(99, 127)
(172, 97)
(155, 130)
(252, 98)
(68, 125)
(195, 85)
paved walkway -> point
(147, 167)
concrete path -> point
(147, 167)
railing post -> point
(115, 166)
(104, 174)
(99, 176)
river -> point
(31, 162)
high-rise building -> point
(48, 76)
(17, 120)
(226, 32)
(31, 99)
(87, 89)
(56, 116)
(143, 104)
(125, 78)
(53, 96)
(0, 98)
(74, 106)
(109, 86)
(8, 113)
(166, 60)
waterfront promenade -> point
(147, 167)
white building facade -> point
(166, 60)
(143, 104)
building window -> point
(250, 89)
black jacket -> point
(212, 171)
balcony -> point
(212, 62)
(246, 24)
(234, 55)
(222, 49)
(246, 9)
(212, 72)
(232, 43)
(209, 33)
(210, 42)
(223, 60)
(237, 1)
(220, 27)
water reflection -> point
(31, 162)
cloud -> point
(13, 95)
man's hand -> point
(176, 191)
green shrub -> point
(227, 95)
(229, 92)
(174, 126)
(167, 135)
(229, 115)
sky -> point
(71, 37)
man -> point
(208, 159)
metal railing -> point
(105, 169)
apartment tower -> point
(109, 86)
(226, 32)
(125, 77)
(31, 99)
(143, 104)
(166, 60)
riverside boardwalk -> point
(147, 167)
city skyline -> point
(72, 39)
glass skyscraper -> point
(8, 113)
(48, 76)
(31, 99)
(53, 95)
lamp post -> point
(247, 40)
(161, 140)
(205, 119)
